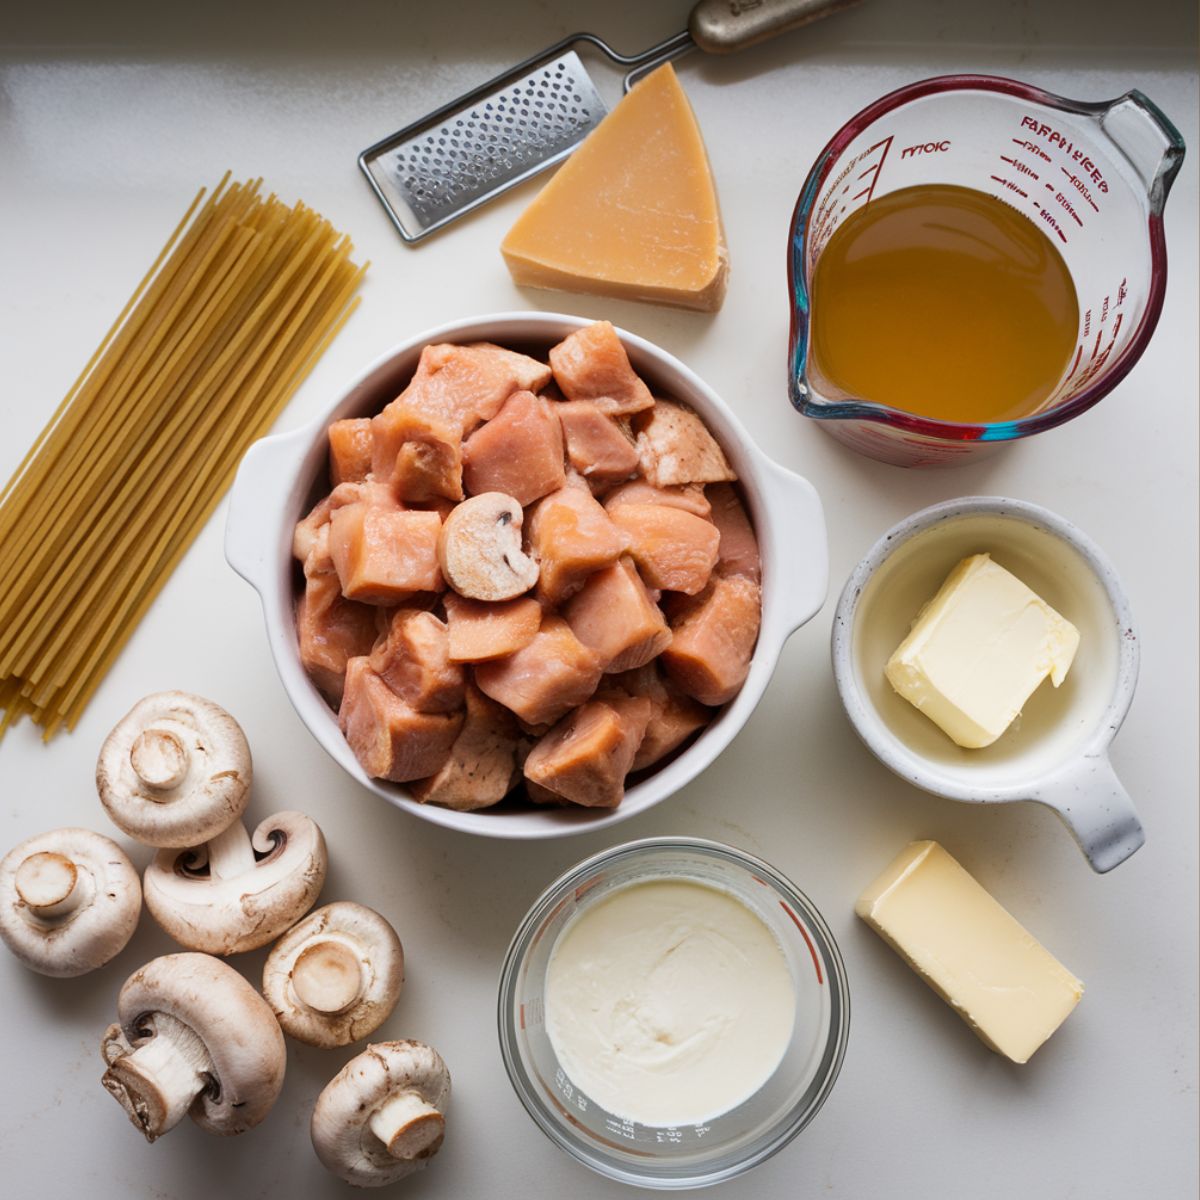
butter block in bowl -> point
(978, 650)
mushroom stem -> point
(327, 977)
(408, 1126)
(51, 886)
(230, 853)
(159, 759)
(157, 1083)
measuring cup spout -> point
(1096, 808)
(1142, 132)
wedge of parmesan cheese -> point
(633, 213)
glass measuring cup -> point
(1093, 176)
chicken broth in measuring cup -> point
(944, 302)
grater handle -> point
(726, 26)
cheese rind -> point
(1009, 989)
(978, 650)
(633, 213)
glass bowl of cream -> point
(673, 1012)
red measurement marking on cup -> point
(1032, 147)
(1075, 364)
(1012, 187)
(807, 940)
(926, 148)
(522, 1016)
(1050, 219)
(873, 170)
(1069, 208)
(1081, 187)
(1020, 167)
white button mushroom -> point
(382, 1116)
(236, 892)
(175, 771)
(69, 901)
(193, 1037)
(335, 977)
(479, 549)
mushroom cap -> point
(174, 771)
(227, 916)
(238, 1030)
(85, 936)
(479, 549)
(341, 1129)
(335, 977)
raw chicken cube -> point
(413, 660)
(587, 755)
(739, 547)
(570, 535)
(366, 491)
(714, 636)
(518, 452)
(331, 631)
(536, 794)
(482, 630)
(546, 678)
(674, 717)
(390, 738)
(613, 615)
(689, 496)
(350, 450)
(482, 762)
(674, 446)
(597, 446)
(383, 557)
(418, 454)
(464, 385)
(674, 550)
(592, 364)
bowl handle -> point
(799, 551)
(264, 475)
(1097, 810)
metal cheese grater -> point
(530, 117)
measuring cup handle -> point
(1096, 808)
(797, 551)
(1143, 133)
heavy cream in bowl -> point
(669, 1001)
(672, 1012)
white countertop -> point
(108, 125)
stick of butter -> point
(1007, 987)
(978, 650)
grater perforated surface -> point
(430, 173)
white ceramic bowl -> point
(1056, 753)
(281, 477)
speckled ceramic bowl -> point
(1056, 753)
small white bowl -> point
(280, 478)
(1056, 753)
